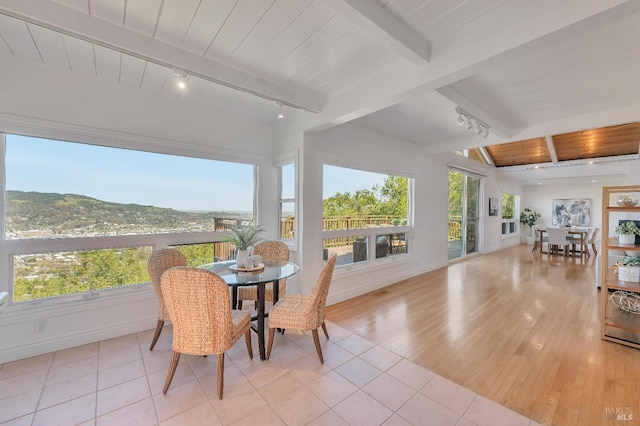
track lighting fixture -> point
(470, 122)
(182, 78)
(278, 104)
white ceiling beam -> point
(486, 156)
(77, 24)
(480, 45)
(552, 149)
(373, 18)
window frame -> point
(510, 225)
(289, 160)
(371, 233)
(10, 248)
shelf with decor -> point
(620, 285)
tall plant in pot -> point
(627, 232)
(529, 217)
(244, 237)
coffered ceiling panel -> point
(530, 151)
(603, 142)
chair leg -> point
(220, 374)
(324, 328)
(240, 304)
(172, 370)
(272, 333)
(316, 340)
(247, 339)
(595, 250)
(155, 336)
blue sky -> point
(126, 176)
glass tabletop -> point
(272, 271)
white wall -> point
(362, 148)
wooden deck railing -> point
(454, 232)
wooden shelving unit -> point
(616, 325)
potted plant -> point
(629, 269)
(627, 232)
(529, 217)
(243, 237)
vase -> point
(241, 258)
(626, 238)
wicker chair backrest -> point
(200, 309)
(160, 261)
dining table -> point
(267, 272)
(575, 236)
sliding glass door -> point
(464, 213)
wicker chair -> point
(159, 261)
(203, 321)
(304, 312)
(273, 251)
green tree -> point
(455, 194)
(388, 199)
(508, 206)
(392, 197)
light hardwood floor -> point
(520, 329)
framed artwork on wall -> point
(571, 212)
(493, 207)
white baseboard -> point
(60, 343)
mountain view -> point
(51, 215)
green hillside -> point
(76, 215)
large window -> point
(365, 214)
(81, 218)
(510, 203)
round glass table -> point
(271, 273)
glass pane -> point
(472, 217)
(508, 206)
(355, 199)
(288, 181)
(203, 253)
(287, 221)
(60, 189)
(38, 276)
(349, 250)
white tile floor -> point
(119, 382)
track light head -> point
(470, 122)
(182, 78)
(278, 104)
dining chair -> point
(557, 239)
(306, 313)
(587, 239)
(538, 244)
(594, 239)
(203, 322)
(577, 238)
(159, 261)
(273, 251)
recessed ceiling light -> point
(590, 162)
(539, 183)
(594, 181)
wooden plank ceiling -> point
(612, 141)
